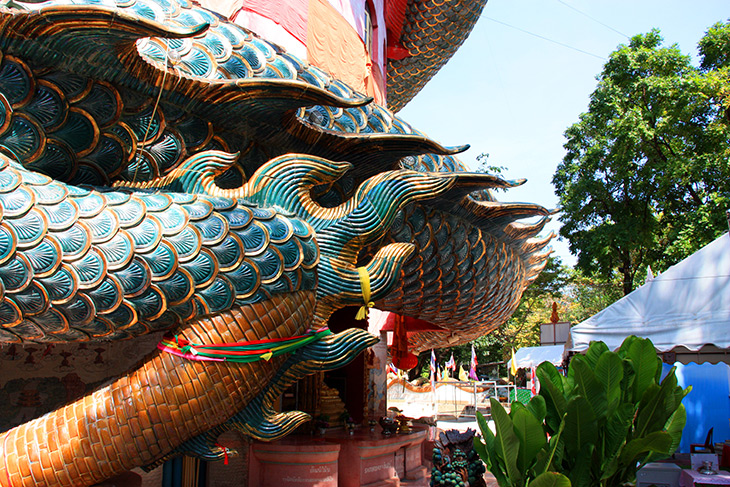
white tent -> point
(686, 308)
(528, 357)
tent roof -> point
(687, 305)
(528, 357)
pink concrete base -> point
(394, 482)
(338, 459)
(371, 459)
(418, 473)
(294, 461)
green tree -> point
(644, 179)
(714, 47)
(586, 295)
(535, 308)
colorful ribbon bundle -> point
(241, 352)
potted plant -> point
(595, 427)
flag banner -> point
(533, 382)
(462, 374)
(393, 370)
(451, 364)
(473, 367)
(513, 366)
(433, 371)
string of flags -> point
(451, 369)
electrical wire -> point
(546, 38)
(593, 19)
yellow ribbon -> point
(362, 313)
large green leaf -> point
(627, 383)
(673, 391)
(551, 389)
(623, 350)
(674, 427)
(617, 428)
(548, 372)
(484, 426)
(589, 387)
(608, 467)
(493, 467)
(580, 471)
(594, 352)
(570, 376)
(614, 437)
(550, 479)
(609, 373)
(580, 425)
(636, 449)
(648, 405)
(506, 444)
(530, 433)
(491, 459)
(645, 361)
(481, 448)
(537, 407)
(658, 404)
(553, 456)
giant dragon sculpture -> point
(165, 170)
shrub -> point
(595, 427)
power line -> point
(593, 19)
(546, 38)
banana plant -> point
(519, 455)
(608, 417)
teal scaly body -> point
(80, 264)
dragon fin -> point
(194, 176)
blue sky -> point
(512, 95)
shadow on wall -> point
(708, 405)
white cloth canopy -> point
(528, 357)
(687, 305)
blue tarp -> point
(707, 405)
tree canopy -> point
(645, 177)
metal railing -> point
(466, 398)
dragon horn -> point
(286, 182)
